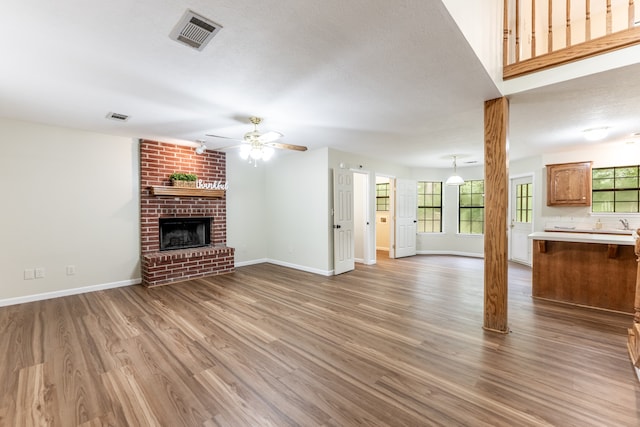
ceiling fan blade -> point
(223, 137)
(270, 136)
(227, 146)
(287, 146)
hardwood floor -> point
(396, 344)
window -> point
(471, 207)
(382, 197)
(429, 207)
(524, 202)
(616, 189)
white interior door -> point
(343, 229)
(406, 196)
(521, 219)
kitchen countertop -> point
(607, 239)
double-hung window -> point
(616, 189)
(429, 207)
(471, 207)
(382, 197)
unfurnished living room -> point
(337, 213)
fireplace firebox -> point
(182, 233)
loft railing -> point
(539, 34)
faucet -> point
(625, 224)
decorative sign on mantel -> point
(215, 185)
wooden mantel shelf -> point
(186, 192)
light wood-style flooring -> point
(399, 343)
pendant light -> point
(454, 179)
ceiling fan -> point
(259, 146)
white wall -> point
(69, 198)
(298, 220)
(481, 24)
(247, 210)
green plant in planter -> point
(182, 179)
(182, 176)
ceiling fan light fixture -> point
(256, 153)
(455, 179)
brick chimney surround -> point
(158, 160)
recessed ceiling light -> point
(596, 134)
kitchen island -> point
(587, 269)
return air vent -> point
(194, 30)
(117, 117)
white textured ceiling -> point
(387, 79)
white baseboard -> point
(301, 267)
(252, 262)
(67, 292)
(456, 253)
(286, 264)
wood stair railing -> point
(540, 34)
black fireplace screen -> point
(181, 233)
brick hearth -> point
(158, 160)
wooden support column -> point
(496, 184)
(633, 343)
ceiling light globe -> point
(454, 180)
(256, 153)
(267, 153)
(244, 152)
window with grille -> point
(524, 202)
(471, 207)
(616, 189)
(429, 207)
(382, 197)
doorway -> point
(384, 214)
(521, 215)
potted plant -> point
(183, 179)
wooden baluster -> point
(632, 14)
(550, 23)
(517, 30)
(608, 17)
(505, 34)
(587, 20)
(568, 16)
(533, 28)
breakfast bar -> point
(588, 269)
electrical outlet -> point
(29, 274)
(39, 272)
(71, 270)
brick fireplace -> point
(158, 160)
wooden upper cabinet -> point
(569, 184)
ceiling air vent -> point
(117, 117)
(194, 30)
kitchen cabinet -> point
(592, 270)
(569, 184)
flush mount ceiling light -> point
(201, 148)
(596, 134)
(455, 179)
